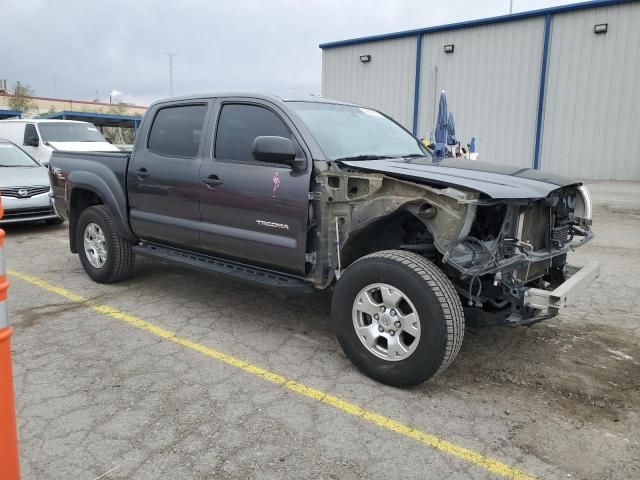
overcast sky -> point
(73, 48)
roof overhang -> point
(474, 23)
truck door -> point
(164, 176)
(251, 211)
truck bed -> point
(69, 170)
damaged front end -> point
(506, 258)
(517, 250)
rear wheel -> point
(104, 254)
(397, 317)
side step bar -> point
(259, 276)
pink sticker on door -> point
(276, 184)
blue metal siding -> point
(416, 87)
(541, 95)
(474, 23)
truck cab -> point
(223, 199)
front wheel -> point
(104, 254)
(397, 317)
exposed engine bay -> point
(493, 250)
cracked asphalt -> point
(560, 399)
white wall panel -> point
(492, 80)
(591, 115)
(591, 123)
(386, 83)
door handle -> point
(141, 173)
(212, 181)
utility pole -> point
(170, 55)
(510, 7)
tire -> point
(119, 258)
(428, 345)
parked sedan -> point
(24, 187)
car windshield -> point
(70, 132)
(12, 156)
(349, 132)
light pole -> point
(170, 55)
(510, 7)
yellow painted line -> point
(489, 464)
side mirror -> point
(274, 150)
(33, 141)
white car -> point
(40, 137)
(24, 188)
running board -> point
(259, 276)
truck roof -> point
(248, 95)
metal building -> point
(556, 89)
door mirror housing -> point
(274, 150)
(33, 141)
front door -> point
(164, 176)
(254, 212)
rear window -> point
(68, 132)
(176, 131)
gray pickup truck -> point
(316, 194)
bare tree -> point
(21, 99)
(120, 135)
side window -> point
(238, 127)
(29, 132)
(176, 131)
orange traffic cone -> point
(9, 463)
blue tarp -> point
(451, 131)
(440, 132)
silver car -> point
(24, 187)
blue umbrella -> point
(451, 131)
(440, 133)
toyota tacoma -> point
(318, 194)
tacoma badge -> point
(281, 226)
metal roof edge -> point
(474, 23)
(112, 116)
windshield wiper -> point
(414, 155)
(364, 157)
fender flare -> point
(110, 192)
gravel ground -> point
(559, 399)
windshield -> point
(70, 132)
(344, 131)
(12, 156)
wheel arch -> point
(386, 233)
(87, 189)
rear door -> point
(254, 212)
(163, 179)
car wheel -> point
(397, 317)
(105, 255)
